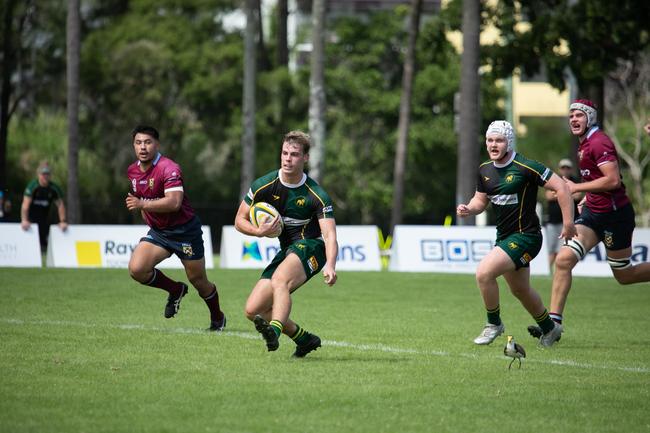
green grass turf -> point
(89, 351)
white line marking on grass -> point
(343, 344)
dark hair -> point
(298, 137)
(145, 129)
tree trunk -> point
(7, 70)
(282, 52)
(468, 146)
(264, 63)
(317, 92)
(405, 116)
(248, 119)
(73, 47)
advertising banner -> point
(595, 262)
(453, 249)
(19, 248)
(358, 249)
(106, 246)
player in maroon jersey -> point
(606, 213)
(157, 191)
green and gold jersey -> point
(512, 190)
(301, 205)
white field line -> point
(360, 347)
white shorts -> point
(551, 232)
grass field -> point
(89, 351)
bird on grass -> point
(514, 350)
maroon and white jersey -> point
(596, 150)
(164, 175)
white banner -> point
(358, 249)
(595, 262)
(106, 246)
(454, 249)
(19, 248)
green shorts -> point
(311, 253)
(521, 247)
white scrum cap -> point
(502, 127)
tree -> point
(317, 91)
(468, 146)
(405, 115)
(627, 101)
(248, 108)
(586, 37)
(7, 71)
(73, 56)
(282, 49)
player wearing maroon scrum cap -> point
(606, 213)
(156, 189)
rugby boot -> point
(174, 302)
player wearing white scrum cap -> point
(509, 181)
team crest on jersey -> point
(513, 245)
(187, 250)
(580, 155)
(133, 185)
(151, 183)
(608, 239)
(525, 258)
(312, 263)
(300, 201)
(510, 178)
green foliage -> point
(172, 64)
(364, 77)
(597, 33)
(98, 356)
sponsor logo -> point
(486, 178)
(513, 245)
(463, 251)
(525, 258)
(510, 178)
(300, 201)
(300, 246)
(88, 253)
(276, 197)
(585, 173)
(133, 185)
(328, 209)
(251, 251)
(313, 264)
(580, 155)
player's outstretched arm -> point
(171, 202)
(611, 180)
(328, 230)
(565, 200)
(476, 205)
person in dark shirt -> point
(510, 181)
(553, 225)
(5, 206)
(308, 243)
(156, 190)
(39, 196)
(606, 212)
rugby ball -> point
(261, 212)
